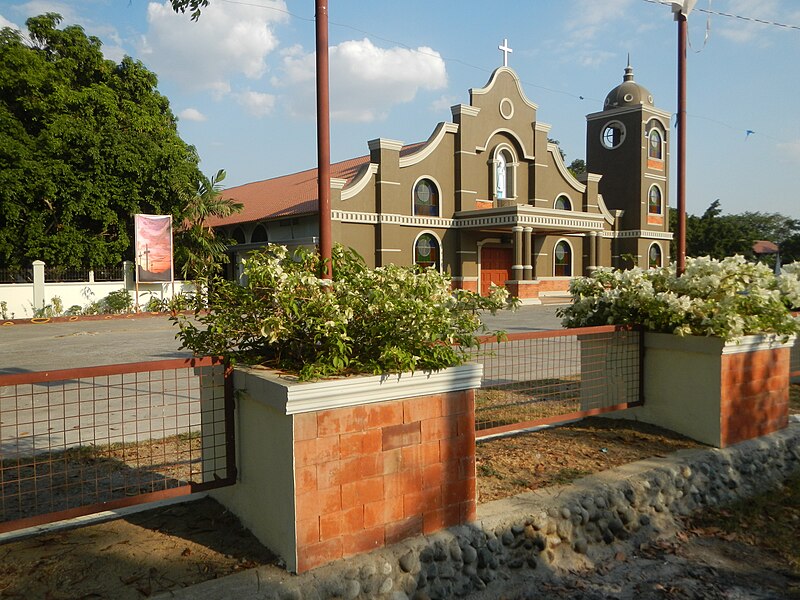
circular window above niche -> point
(612, 135)
(506, 108)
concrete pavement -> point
(84, 343)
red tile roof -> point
(286, 196)
(765, 247)
(290, 195)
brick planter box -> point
(333, 468)
(715, 392)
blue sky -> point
(241, 79)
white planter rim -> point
(716, 345)
(293, 397)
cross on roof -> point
(505, 50)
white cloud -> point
(444, 103)
(6, 23)
(744, 31)
(365, 80)
(39, 7)
(192, 114)
(227, 41)
(257, 104)
(590, 17)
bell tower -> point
(628, 144)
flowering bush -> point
(727, 298)
(388, 319)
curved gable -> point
(497, 76)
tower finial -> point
(628, 70)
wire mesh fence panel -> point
(541, 378)
(76, 441)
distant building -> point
(487, 198)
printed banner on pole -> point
(153, 242)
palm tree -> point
(199, 248)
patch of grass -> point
(568, 475)
(770, 520)
(486, 470)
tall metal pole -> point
(681, 245)
(323, 139)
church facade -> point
(487, 198)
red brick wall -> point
(460, 284)
(523, 290)
(755, 394)
(553, 285)
(371, 475)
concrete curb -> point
(531, 536)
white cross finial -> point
(505, 50)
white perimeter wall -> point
(19, 296)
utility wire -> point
(732, 16)
(485, 70)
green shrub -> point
(388, 319)
(728, 298)
(118, 301)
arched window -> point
(426, 251)
(654, 201)
(655, 147)
(504, 175)
(562, 259)
(563, 203)
(238, 235)
(259, 234)
(654, 257)
(426, 198)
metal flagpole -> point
(682, 9)
(323, 139)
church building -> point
(487, 198)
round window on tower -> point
(613, 135)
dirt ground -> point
(168, 548)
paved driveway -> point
(84, 343)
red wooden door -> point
(495, 267)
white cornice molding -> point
(292, 397)
(360, 181)
(649, 110)
(385, 144)
(586, 177)
(390, 218)
(601, 204)
(656, 177)
(433, 142)
(338, 183)
(527, 155)
(464, 109)
(540, 218)
(493, 79)
(568, 177)
(639, 233)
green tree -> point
(194, 6)
(198, 249)
(85, 143)
(717, 235)
(577, 167)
